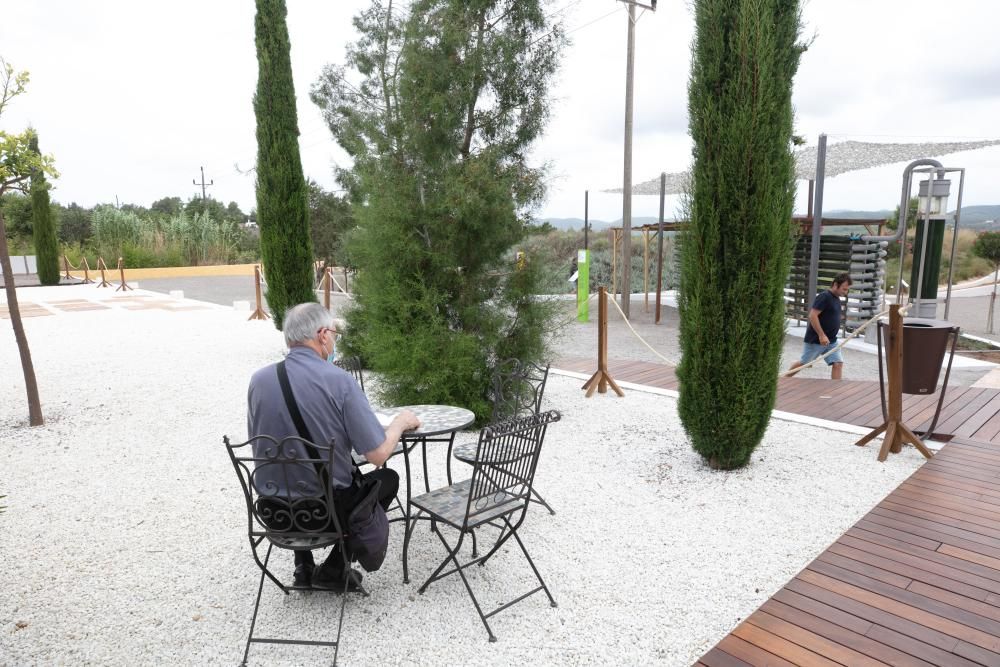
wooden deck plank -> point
(916, 581)
(985, 414)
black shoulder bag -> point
(366, 525)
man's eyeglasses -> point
(324, 329)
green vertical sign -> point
(582, 284)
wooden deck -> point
(914, 582)
(968, 412)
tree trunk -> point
(30, 385)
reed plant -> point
(181, 239)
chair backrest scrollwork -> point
(286, 485)
(516, 388)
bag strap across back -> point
(300, 425)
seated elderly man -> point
(333, 409)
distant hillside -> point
(856, 215)
(978, 218)
(595, 225)
(973, 217)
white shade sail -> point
(841, 158)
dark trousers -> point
(345, 503)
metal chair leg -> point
(552, 600)
(256, 605)
(452, 556)
(541, 501)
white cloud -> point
(133, 97)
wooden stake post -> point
(124, 287)
(327, 279)
(896, 432)
(601, 379)
(103, 267)
(259, 313)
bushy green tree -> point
(737, 249)
(912, 215)
(168, 206)
(281, 188)
(438, 110)
(43, 226)
(330, 220)
(75, 224)
(16, 208)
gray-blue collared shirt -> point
(333, 408)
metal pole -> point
(586, 218)
(954, 242)
(627, 184)
(817, 220)
(659, 247)
(917, 297)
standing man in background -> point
(824, 323)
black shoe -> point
(303, 575)
(329, 578)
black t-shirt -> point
(828, 306)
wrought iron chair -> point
(353, 366)
(301, 521)
(497, 495)
(516, 390)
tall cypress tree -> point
(282, 196)
(736, 251)
(44, 225)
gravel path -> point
(124, 539)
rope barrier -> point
(842, 343)
(641, 339)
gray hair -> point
(303, 321)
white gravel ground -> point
(124, 539)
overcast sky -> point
(133, 97)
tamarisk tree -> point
(17, 163)
(438, 106)
(282, 196)
(736, 252)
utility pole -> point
(627, 180)
(203, 183)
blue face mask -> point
(333, 352)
